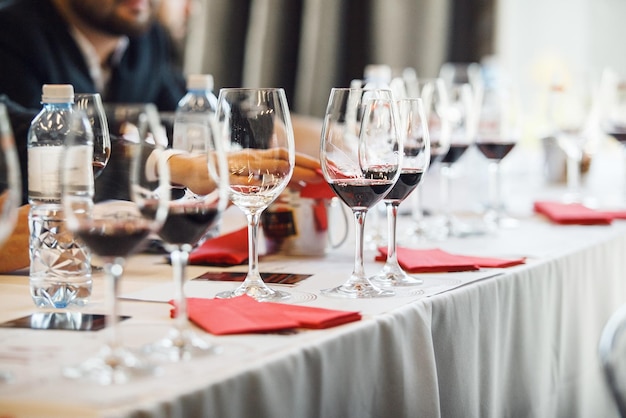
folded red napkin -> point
(224, 250)
(439, 261)
(572, 213)
(244, 314)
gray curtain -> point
(310, 46)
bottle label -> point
(43, 172)
(45, 163)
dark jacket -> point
(36, 48)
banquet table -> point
(508, 342)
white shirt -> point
(100, 74)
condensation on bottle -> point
(60, 265)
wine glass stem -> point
(253, 251)
(359, 219)
(392, 218)
(113, 270)
(573, 176)
(179, 258)
(446, 174)
(495, 187)
(418, 208)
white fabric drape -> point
(402, 33)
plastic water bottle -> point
(193, 114)
(377, 76)
(60, 266)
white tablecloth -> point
(515, 342)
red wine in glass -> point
(407, 182)
(113, 240)
(493, 150)
(455, 152)
(186, 224)
(360, 193)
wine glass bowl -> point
(91, 105)
(254, 126)
(361, 157)
(415, 161)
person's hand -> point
(190, 170)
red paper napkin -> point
(244, 314)
(572, 213)
(224, 250)
(439, 261)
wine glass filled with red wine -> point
(415, 161)
(460, 112)
(499, 129)
(115, 226)
(361, 157)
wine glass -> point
(361, 159)
(192, 216)
(572, 113)
(113, 228)
(613, 110)
(459, 113)
(10, 190)
(92, 107)
(415, 161)
(434, 97)
(255, 127)
(499, 129)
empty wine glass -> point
(114, 228)
(415, 161)
(192, 216)
(572, 114)
(361, 159)
(255, 127)
(10, 190)
(92, 107)
(499, 129)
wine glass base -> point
(111, 367)
(390, 279)
(359, 290)
(261, 293)
(181, 346)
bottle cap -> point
(200, 82)
(57, 93)
(378, 72)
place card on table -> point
(234, 276)
(66, 321)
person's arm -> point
(190, 170)
(14, 253)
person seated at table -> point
(114, 47)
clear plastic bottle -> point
(377, 76)
(60, 266)
(193, 114)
